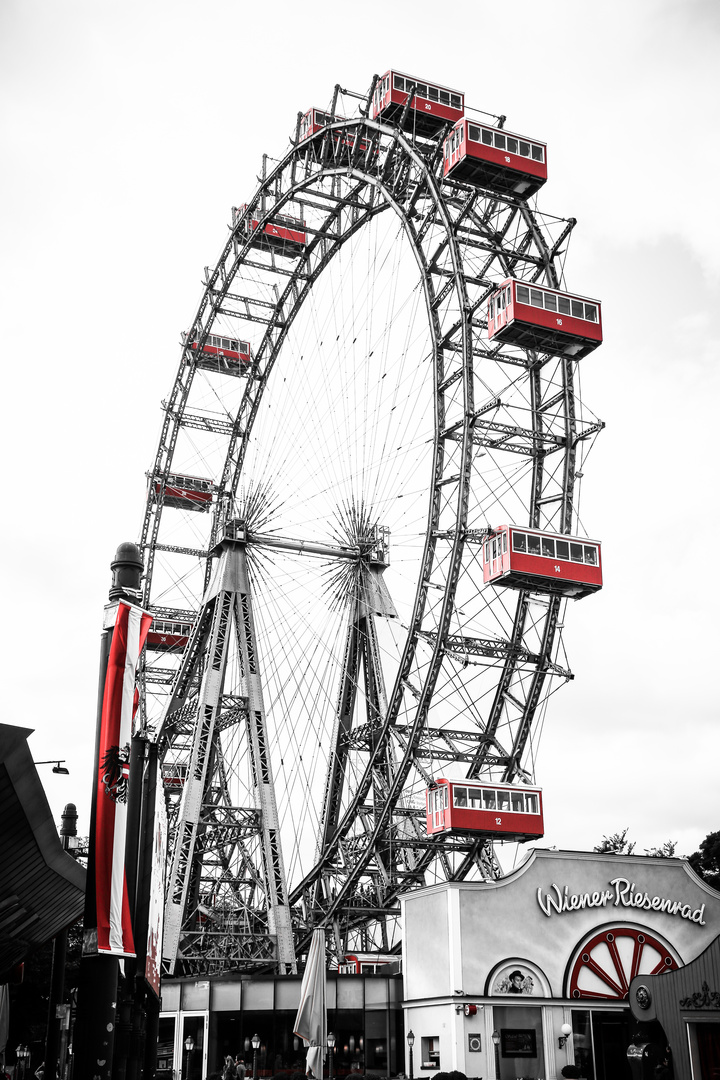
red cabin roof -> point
(524, 558)
(432, 107)
(538, 317)
(510, 164)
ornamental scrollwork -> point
(706, 999)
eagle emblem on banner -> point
(116, 771)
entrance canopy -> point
(42, 888)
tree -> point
(706, 861)
(665, 851)
(617, 844)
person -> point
(228, 1072)
(240, 1068)
(516, 980)
(663, 1069)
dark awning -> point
(42, 888)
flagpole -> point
(94, 1035)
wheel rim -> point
(470, 668)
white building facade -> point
(529, 974)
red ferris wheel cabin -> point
(507, 163)
(185, 492)
(166, 635)
(502, 811)
(432, 107)
(225, 354)
(536, 317)
(174, 777)
(365, 963)
(547, 562)
(316, 120)
(284, 235)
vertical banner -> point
(114, 927)
(157, 891)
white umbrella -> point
(311, 1019)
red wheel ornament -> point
(608, 961)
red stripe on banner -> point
(113, 772)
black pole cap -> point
(127, 567)
(68, 826)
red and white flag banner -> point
(114, 927)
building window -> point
(430, 1052)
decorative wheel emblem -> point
(611, 959)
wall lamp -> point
(566, 1033)
(58, 766)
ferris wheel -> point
(361, 528)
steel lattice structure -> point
(345, 652)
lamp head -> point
(189, 1044)
(410, 1039)
(255, 1041)
(58, 766)
(330, 1039)
(496, 1038)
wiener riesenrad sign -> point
(622, 893)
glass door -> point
(166, 1047)
(191, 1046)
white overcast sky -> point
(128, 131)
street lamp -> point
(23, 1057)
(566, 1033)
(331, 1047)
(256, 1047)
(189, 1046)
(496, 1044)
(411, 1043)
(54, 1051)
(58, 766)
